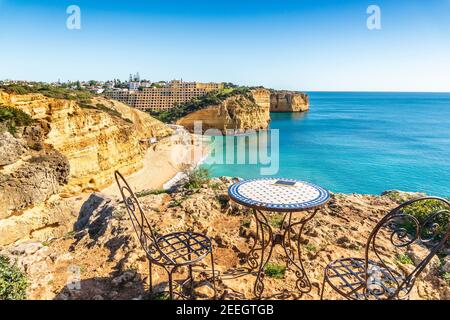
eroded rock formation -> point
(11, 149)
(289, 101)
(67, 150)
(32, 181)
(237, 112)
(96, 140)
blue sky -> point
(303, 45)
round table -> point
(279, 195)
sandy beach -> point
(163, 161)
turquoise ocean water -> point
(363, 143)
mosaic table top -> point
(278, 194)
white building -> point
(134, 85)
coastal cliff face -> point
(246, 111)
(239, 112)
(67, 150)
(96, 140)
(289, 101)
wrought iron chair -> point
(169, 251)
(376, 279)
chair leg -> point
(150, 276)
(191, 277)
(323, 285)
(170, 284)
(213, 275)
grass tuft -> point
(197, 177)
(145, 193)
(69, 235)
(246, 223)
(275, 271)
(276, 220)
(311, 248)
(446, 277)
(404, 259)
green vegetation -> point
(339, 196)
(422, 210)
(246, 223)
(145, 193)
(13, 283)
(403, 259)
(446, 277)
(156, 85)
(118, 214)
(276, 220)
(215, 185)
(176, 203)
(209, 99)
(103, 108)
(197, 177)
(82, 96)
(310, 247)
(69, 235)
(83, 268)
(395, 196)
(275, 270)
(11, 118)
(160, 296)
(230, 85)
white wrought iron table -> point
(279, 195)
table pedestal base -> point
(269, 239)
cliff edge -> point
(237, 112)
(235, 108)
(53, 149)
(288, 101)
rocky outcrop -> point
(241, 112)
(11, 148)
(238, 112)
(261, 97)
(69, 149)
(46, 220)
(32, 182)
(289, 101)
(96, 139)
(114, 265)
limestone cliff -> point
(96, 139)
(288, 101)
(70, 148)
(238, 112)
(31, 181)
